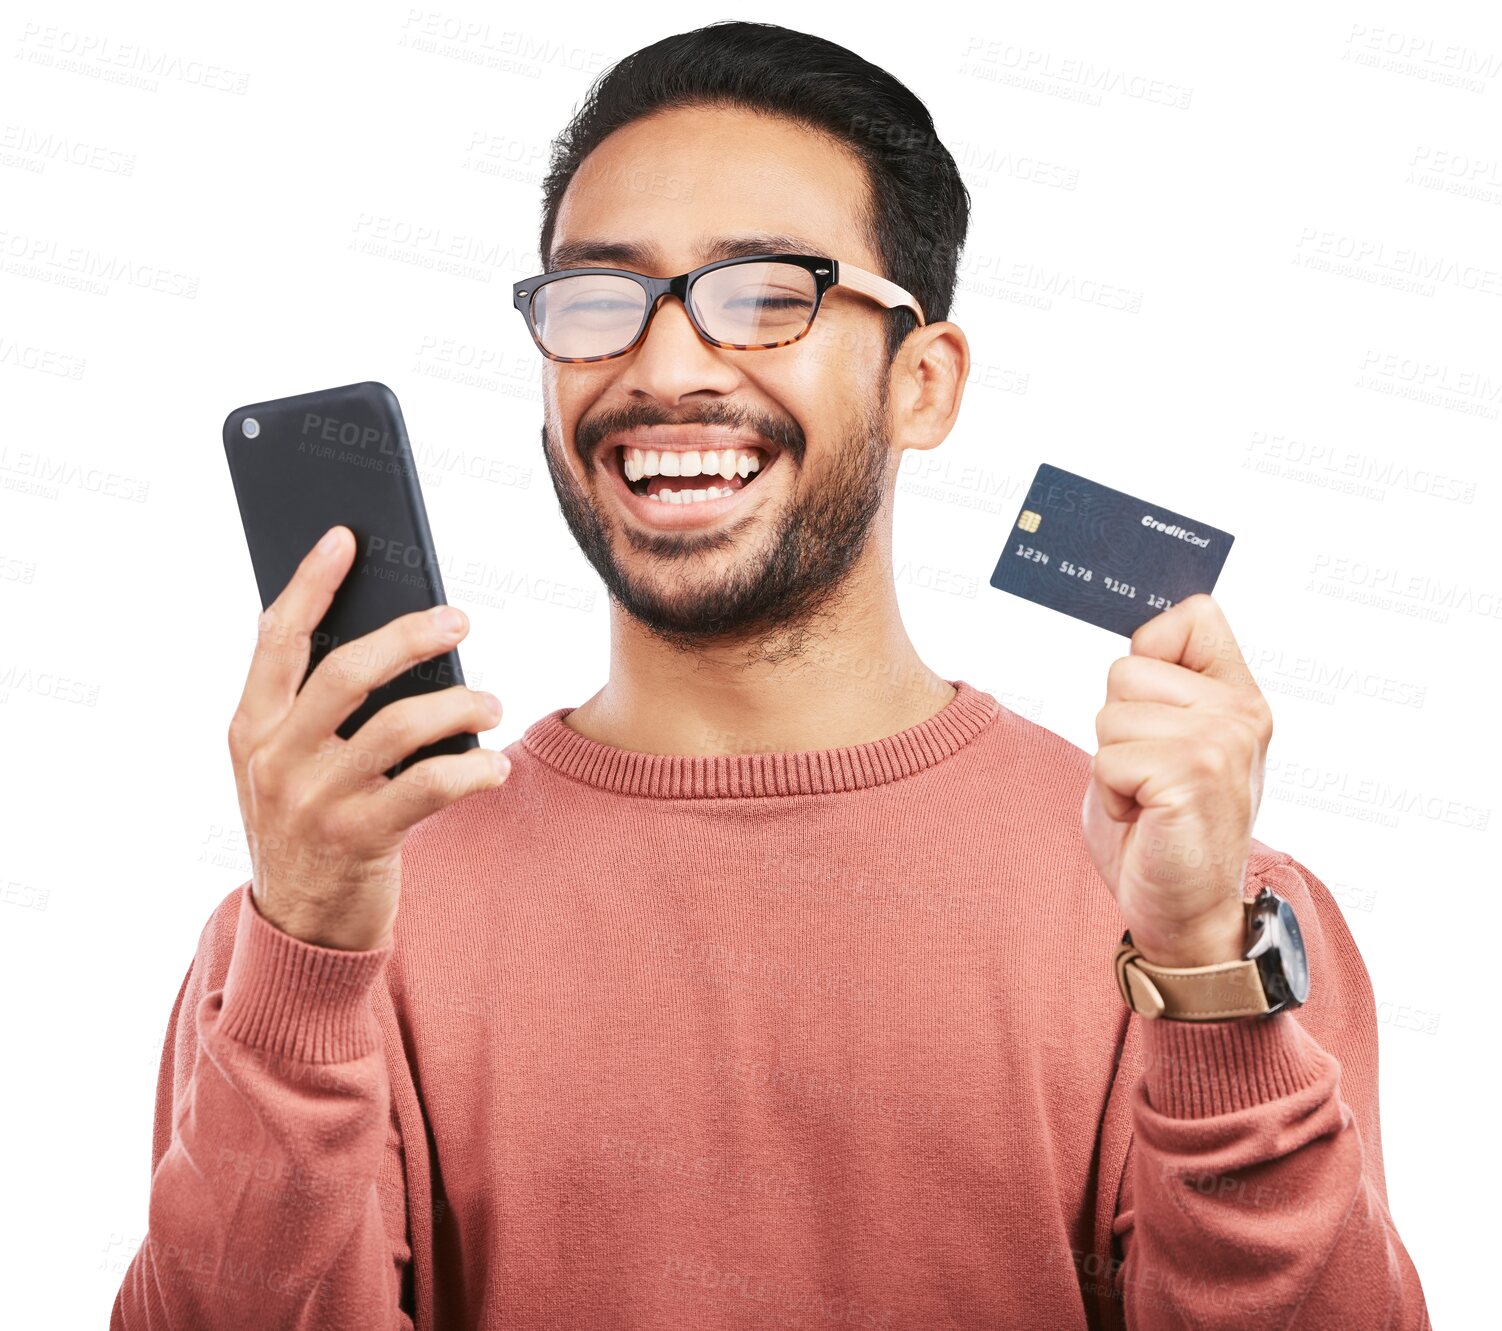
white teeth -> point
(726, 462)
(694, 496)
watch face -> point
(1277, 947)
(1293, 962)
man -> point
(773, 986)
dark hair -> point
(920, 208)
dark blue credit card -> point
(1106, 557)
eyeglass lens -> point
(760, 304)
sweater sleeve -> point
(1254, 1191)
(276, 1197)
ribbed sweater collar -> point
(750, 775)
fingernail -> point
(492, 703)
(448, 619)
(330, 541)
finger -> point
(285, 629)
(1119, 722)
(1127, 774)
(403, 726)
(1119, 808)
(1158, 772)
(433, 784)
(1148, 679)
(348, 674)
(1194, 633)
(1145, 679)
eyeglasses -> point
(752, 303)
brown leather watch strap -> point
(1191, 993)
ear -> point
(928, 377)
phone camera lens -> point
(250, 427)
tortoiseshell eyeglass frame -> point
(826, 272)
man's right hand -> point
(324, 823)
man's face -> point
(766, 557)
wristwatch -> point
(1273, 974)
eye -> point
(597, 298)
(771, 301)
(596, 304)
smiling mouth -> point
(698, 488)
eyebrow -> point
(645, 255)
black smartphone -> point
(303, 464)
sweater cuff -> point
(304, 1002)
(1197, 1069)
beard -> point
(768, 591)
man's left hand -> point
(1176, 783)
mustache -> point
(785, 433)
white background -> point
(1258, 280)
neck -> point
(849, 677)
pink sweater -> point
(820, 1039)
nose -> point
(672, 361)
(680, 317)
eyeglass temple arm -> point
(879, 289)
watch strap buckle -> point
(1139, 992)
